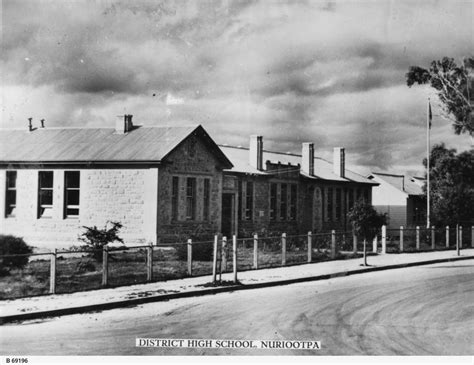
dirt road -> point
(426, 310)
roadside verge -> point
(199, 290)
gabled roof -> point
(323, 169)
(97, 145)
(409, 185)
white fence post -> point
(255, 251)
(190, 257)
(223, 254)
(417, 237)
(374, 244)
(401, 238)
(354, 242)
(433, 238)
(214, 259)
(384, 239)
(149, 263)
(52, 277)
(234, 257)
(447, 236)
(283, 249)
(333, 244)
(472, 236)
(105, 265)
(310, 247)
(457, 239)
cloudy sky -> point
(298, 71)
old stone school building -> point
(165, 184)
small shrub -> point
(11, 245)
(96, 238)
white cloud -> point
(173, 100)
(292, 71)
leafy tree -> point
(96, 238)
(452, 84)
(451, 186)
(366, 222)
(11, 245)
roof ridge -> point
(90, 127)
(288, 154)
(269, 151)
(387, 174)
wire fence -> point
(422, 239)
(86, 269)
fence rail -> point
(62, 271)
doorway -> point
(228, 202)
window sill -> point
(176, 221)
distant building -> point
(164, 184)
(401, 197)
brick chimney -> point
(256, 152)
(123, 124)
(307, 158)
(339, 162)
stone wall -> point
(105, 195)
(311, 208)
(191, 159)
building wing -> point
(97, 145)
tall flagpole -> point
(428, 127)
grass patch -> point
(78, 272)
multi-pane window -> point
(293, 201)
(249, 201)
(71, 193)
(45, 194)
(191, 198)
(338, 204)
(329, 204)
(10, 198)
(273, 201)
(283, 201)
(239, 205)
(206, 198)
(366, 196)
(350, 199)
(174, 197)
(418, 212)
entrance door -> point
(227, 214)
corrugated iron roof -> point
(90, 144)
(407, 184)
(239, 156)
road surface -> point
(425, 310)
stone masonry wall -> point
(191, 159)
(105, 195)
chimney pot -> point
(42, 123)
(307, 158)
(30, 124)
(256, 152)
(123, 124)
(339, 162)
